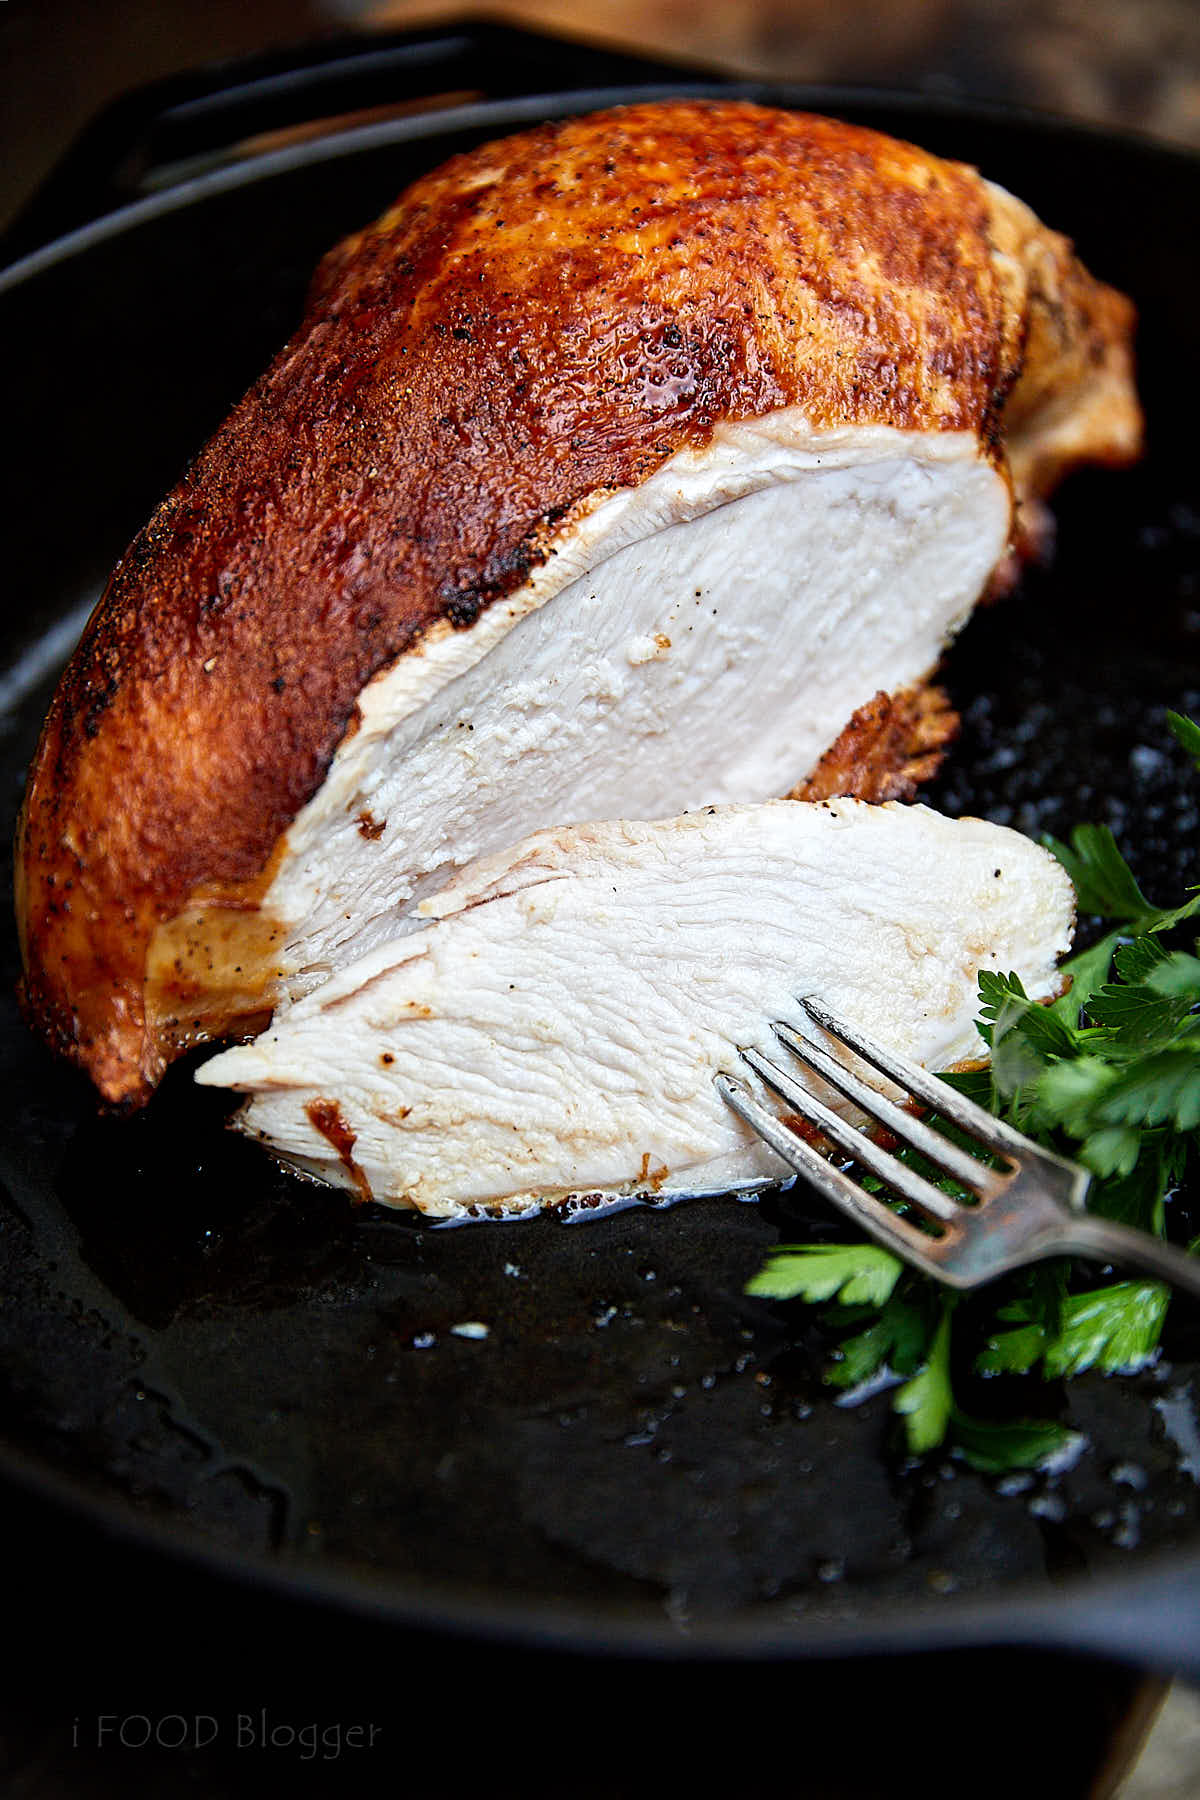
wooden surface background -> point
(1129, 63)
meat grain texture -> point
(610, 473)
(551, 1029)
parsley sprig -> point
(1108, 1074)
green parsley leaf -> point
(1040, 1026)
(1013, 1352)
(1136, 961)
(926, 1402)
(1187, 732)
(1178, 975)
(995, 1446)
(1136, 1198)
(974, 1084)
(1025, 1040)
(855, 1273)
(1167, 921)
(897, 1338)
(1084, 973)
(1161, 1089)
(1104, 883)
(1101, 877)
(1072, 1093)
(1113, 1150)
(1141, 1018)
(1111, 1328)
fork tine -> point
(877, 1106)
(875, 1217)
(905, 1181)
(964, 1113)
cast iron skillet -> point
(208, 1361)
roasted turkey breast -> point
(609, 473)
(553, 1026)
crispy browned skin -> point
(891, 745)
(468, 371)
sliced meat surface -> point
(553, 1025)
(735, 610)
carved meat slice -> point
(610, 473)
(554, 1026)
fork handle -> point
(1110, 1242)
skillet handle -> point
(1150, 1620)
(172, 129)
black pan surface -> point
(207, 1357)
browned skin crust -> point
(468, 370)
(891, 745)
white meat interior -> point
(554, 1023)
(700, 638)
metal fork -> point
(1032, 1208)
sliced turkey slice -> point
(554, 1027)
(610, 472)
(731, 614)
